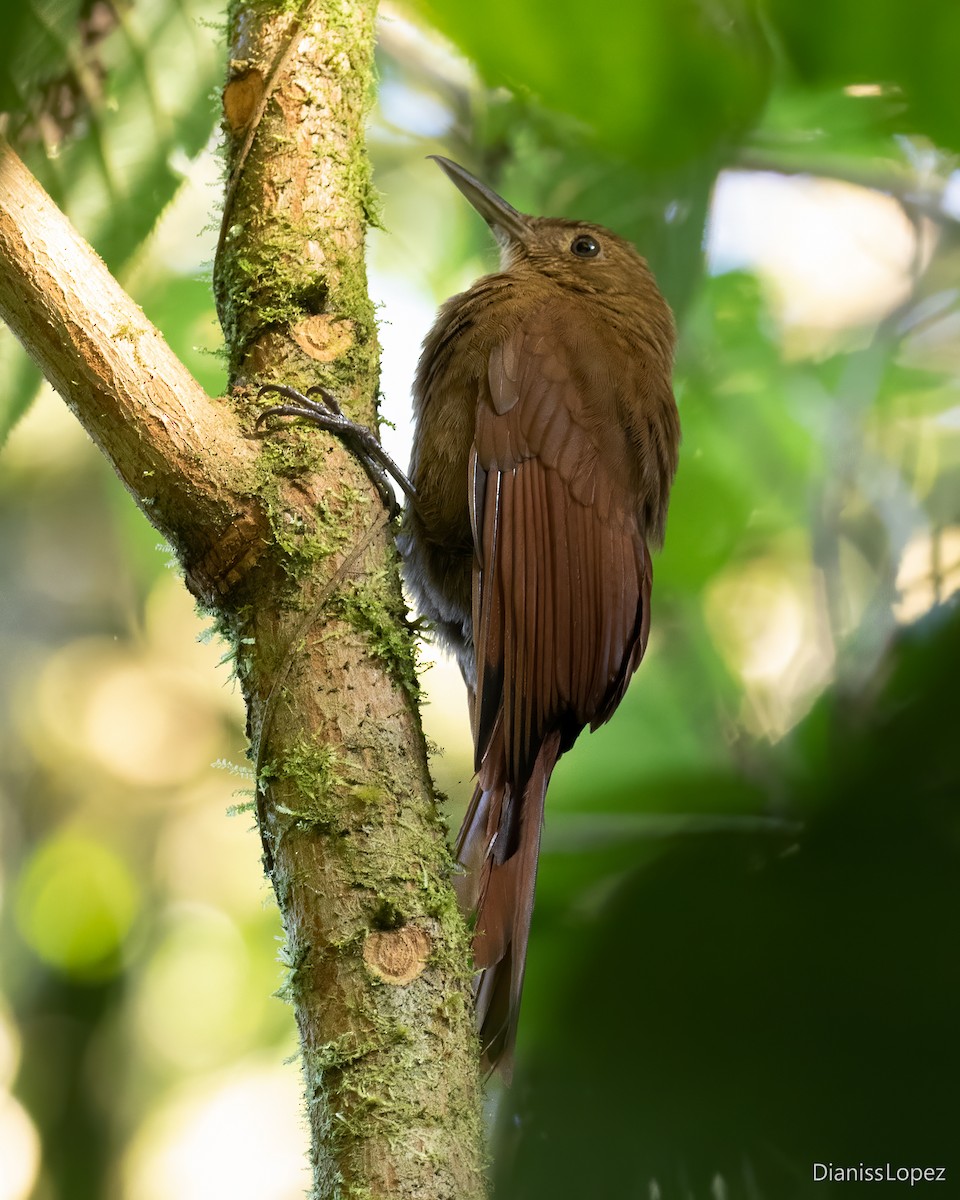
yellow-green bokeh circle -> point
(75, 904)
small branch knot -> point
(397, 956)
(324, 338)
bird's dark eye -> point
(585, 246)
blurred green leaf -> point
(163, 69)
(808, 125)
(21, 381)
(116, 172)
(39, 44)
(554, 169)
(910, 50)
(659, 82)
(748, 453)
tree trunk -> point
(282, 536)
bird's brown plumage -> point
(546, 443)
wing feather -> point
(559, 600)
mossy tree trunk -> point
(283, 537)
(353, 846)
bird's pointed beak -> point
(508, 225)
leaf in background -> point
(747, 457)
(119, 172)
(21, 379)
(659, 82)
(822, 127)
(554, 168)
(163, 68)
(910, 50)
(41, 55)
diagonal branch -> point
(180, 454)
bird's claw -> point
(327, 414)
(322, 413)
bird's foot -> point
(326, 414)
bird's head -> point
(576, 254)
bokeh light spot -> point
(75, 904)
(929, 572)
(234, 1138)
(19, 1150)
(762, 615)
(135, 717)
(195, 1005)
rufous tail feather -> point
(498, 847)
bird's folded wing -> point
(562, 579)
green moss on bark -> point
(353, 843)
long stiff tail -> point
(498, 847)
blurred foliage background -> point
(744, 953)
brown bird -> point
(545, 446)
(546, 443)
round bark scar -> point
(397, 955)
(241, 97)
(323, 337)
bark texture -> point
(282, 535)
(379, 968)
